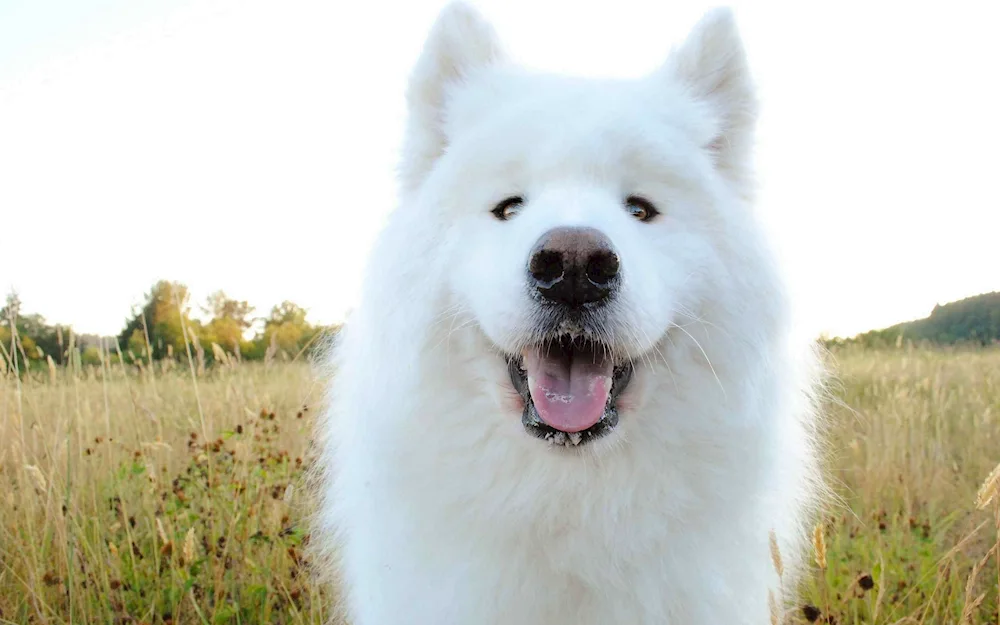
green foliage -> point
(34, 339)
(286, 332)
(163, 316)
(90, 356)
(287, 329)
(156, 331)
(230, 320)
(973, 320)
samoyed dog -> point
(570, 393)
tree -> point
(166, 313)
(287, 328)
(287, 313)
(971, 320)
(90, 356)
(8, 317)
(12, 308)
(230, 319)
(37, 339)
(47, 339)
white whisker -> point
(707, 359)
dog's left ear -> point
(461, 42)
(711, 65)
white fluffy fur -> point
(436, 505)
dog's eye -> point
(508, 207)
(640, 208)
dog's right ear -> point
(460, 42)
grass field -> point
(162, 497)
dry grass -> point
(133, 497)
(144, 498)
(908, 449)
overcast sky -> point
(249, 145)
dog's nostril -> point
(602, 267)
(546, 266)
(574, 267)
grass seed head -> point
(819, 546)
(988, 491)
(162, 533)
(189, 546)
(779, 567)
(37, 478)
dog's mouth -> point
(569, 387)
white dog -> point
(569, 394)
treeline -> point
(973, 320)
(163, 328)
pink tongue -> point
(569, 390)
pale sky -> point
(249, 145)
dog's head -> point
(586, 218)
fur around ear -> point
(460, 42)
(712, 65)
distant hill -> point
(971, 320)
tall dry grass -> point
(131, 496)
(913, 432)
(164, 496)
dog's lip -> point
(534, 425)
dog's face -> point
(584, 216)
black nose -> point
(574, 266)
